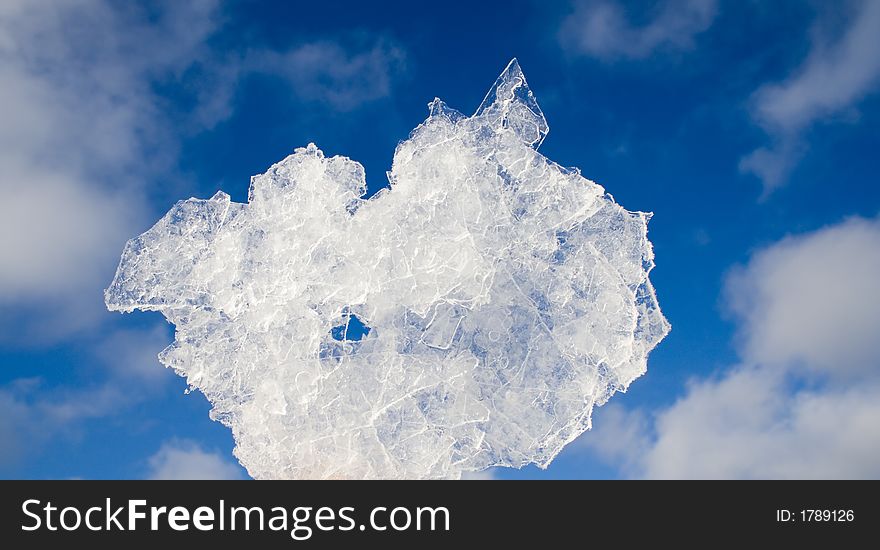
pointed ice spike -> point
(510, 104)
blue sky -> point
(749, 129)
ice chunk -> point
(470, 316)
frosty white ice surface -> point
(504, 296)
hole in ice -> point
(352, 329)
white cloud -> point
(750, 425)
(602, 29)
(835, 76)
(183, 459)
(811, 302)
(86, 132)
(56, 234)
(805, 401)
(83, 132)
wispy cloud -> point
(180, 459)
(126, 372)
(835, 76)
(618, 436)
(130, 357)
(804, 401)
(603, 29)
(325, 72)
(32, 414)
